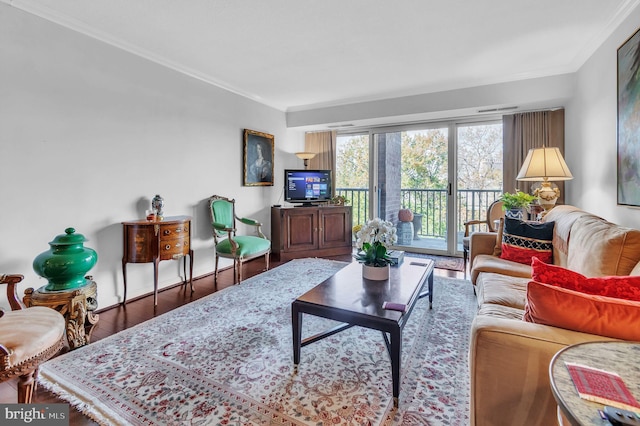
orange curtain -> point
(524, 131)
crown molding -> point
(48, 14)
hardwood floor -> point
(118, 318)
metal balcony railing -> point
(431, 204)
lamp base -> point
(547, 196)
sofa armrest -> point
(481, 243)
(509, 362)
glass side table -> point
(614, 356)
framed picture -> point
(629, 121)
(258, 158)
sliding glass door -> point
(479, 171)
(352, 174)
(445, 173)
(412, 172)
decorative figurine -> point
(157, 204)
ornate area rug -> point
(227, 359)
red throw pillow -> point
(622, 287)
(587, 313)
(521, 241)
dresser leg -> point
(191, 270)
(124, 276)
(155, 281)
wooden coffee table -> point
(353, 300)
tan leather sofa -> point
(508, 357)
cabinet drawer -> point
(170, 232)
(173, 248)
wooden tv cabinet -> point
(310, 231)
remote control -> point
(618, 416)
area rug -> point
(227, 359)
(442, 262)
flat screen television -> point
(307, 187)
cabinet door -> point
(335, 227)
(139, 243)
(300, 229)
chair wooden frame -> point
(27, 370)
(494, 212)
(222, 231)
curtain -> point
(524, 131)
(324, 145)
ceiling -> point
(296, 55)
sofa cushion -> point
(498, 289)
(564, 216)
(500, 311)
(622, 287)
(523, 240)
(488, 263)
(572, 310)
(599, 248)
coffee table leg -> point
(296, 323)
(430, 283)
(396, 354)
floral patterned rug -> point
(227, 359)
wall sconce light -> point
(306, 156)
(545, 165)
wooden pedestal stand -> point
(77, 305)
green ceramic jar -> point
(65, 264)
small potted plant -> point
(515, 204)
(372, 241)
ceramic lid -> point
(68, 238)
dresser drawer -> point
(174, 248)
(172, 231)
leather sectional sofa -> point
(509, 357)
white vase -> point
(377, 273)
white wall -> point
(90, 133)
(591, 141)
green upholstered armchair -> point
(240, 248)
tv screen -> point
(307, 186)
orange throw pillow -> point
(587, 313)
(622, 287)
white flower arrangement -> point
(373, 240)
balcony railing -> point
(431, 204)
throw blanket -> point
(564, 217)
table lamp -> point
(306, 156)
(545, 165)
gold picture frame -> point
(259, 149)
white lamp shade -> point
(305, 155)
(544, 164)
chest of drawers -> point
(146, 241)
